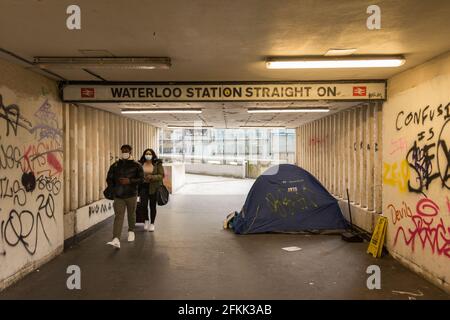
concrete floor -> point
(190, 256)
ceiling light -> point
(334, 62)
(262, 127)
(103, 62)
(340, 52)
(187, 127)
(141, 111)
(289, 110)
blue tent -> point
(287, 198)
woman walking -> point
(153, 178)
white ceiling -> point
(225, 40)
(227, 115)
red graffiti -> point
(398, 145)
(399, 214)
(54, 162)
(37, 157)
(316, 141)
(426, 230)
(448, 205)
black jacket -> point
(125, 169)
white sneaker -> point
(115, 243)
(146, 225)
(151, 228)
(130, 236)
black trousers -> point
(146, 201)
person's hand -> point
(124, 181)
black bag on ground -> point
(162, 195)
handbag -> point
(141, 212)
(162, 195)
(109, 193)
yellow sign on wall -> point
(378, 236)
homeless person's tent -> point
(287, 198)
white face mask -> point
(148, 157)
(125, 155)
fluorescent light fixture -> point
(334, 62)
(262, 127)
(163, 111)
(214, 162)
(340, 52)
(188, 127)
(102, 62)
(289, 110)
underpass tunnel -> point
(196, 85)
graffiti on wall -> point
(430, 161)
(420, 168)
(30, 176)
(428, 228)
(318, 140)
(13, 118)
(428, 156)
(397, 175)
(100, 208)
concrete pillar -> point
(313, 148)
(116, 132)
(309, 147)
(102, 152)
(316, 149)
(96, 131)
(107, 141)
(363, 150)
(134, 127)
(345, 150)
(141, 138)
(371, 158)
(66, 155)
(328, 153)
(72, 188)
(90, 140)
(81, 144)
(341, 153)
(357, 150)
(322, 150)
(352, 146)
(378, 163)
(332, 154)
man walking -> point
(124, 176)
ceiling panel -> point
(226, 40)
(226, 115)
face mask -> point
(148, 157)
(125, 155)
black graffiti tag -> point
(429, 162)
(103, 208)
(10, 157)
(13, 190)
(24, 227)
(18, 231)
(443, 155)
(51, 184)
(11, 114)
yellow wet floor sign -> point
(378, 236)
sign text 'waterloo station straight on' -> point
(271, 92)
